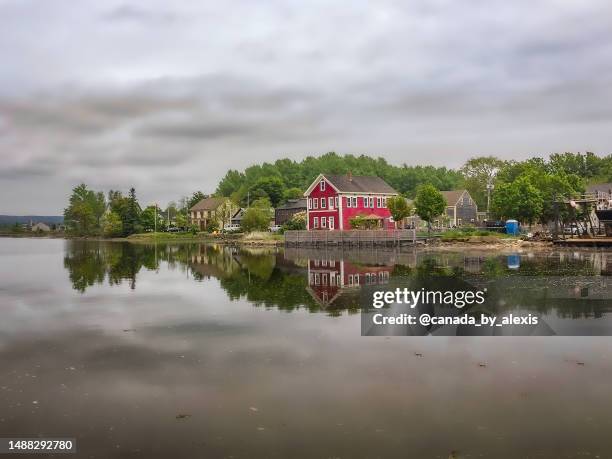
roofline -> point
(318, 179)
(314, 183)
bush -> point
(297, 222)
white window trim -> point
(323, 203)
(322, 185)
(331, 222)
(330, 202)
(309, 203)
(323, 222)
(315, 222)
(315, 202)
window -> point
(323, 222)
(336, 201)
(331, 222)
(324, 278)
(315, 222)
(365, 201)
(323, 203)
(350, 279)
(332, 280)
(356, 279)
(354, 199)
(315, 202)
(372, 202)
(317, 279)
(322, 185)
(379, 202)
(348, 201)
(309, 203)
(331, 203)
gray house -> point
(461, 209)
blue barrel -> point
(512, 227)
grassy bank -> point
(475, 236)
(255, 238)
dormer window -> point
(322, 185)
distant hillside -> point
(6, 220)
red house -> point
(333, 200)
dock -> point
(351, 238)
(584, 242)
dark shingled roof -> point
(208, 204)
(360, 184)
(452, 196)
(294, 204)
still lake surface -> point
(188, 350)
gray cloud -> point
(168, 98)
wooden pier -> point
(351, 238)
(584, 242)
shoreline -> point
(504, 244)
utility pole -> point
(155, 223)
(490, 187)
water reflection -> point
(573, 284)
(114, 341)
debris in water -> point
(418, 354)
(129, 330)
(261, 428)
(482, 364)
(454, 455)
(580, 363)
(183, 416)
(253, 409)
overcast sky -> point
(166, 96)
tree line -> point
(525, 190)
(93, 213)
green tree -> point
(131, 216)
(519, 199)
(111, 224)
(429, 203)
(399, 208)
(147, 219)
(181, 220)
(293, 193)
(80, 217)
(270, 187)
(479, 173)
(257, 217)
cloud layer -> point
(168, 98)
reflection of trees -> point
(90, 263)
(270, 279)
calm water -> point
(189, 351)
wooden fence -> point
(352, 237)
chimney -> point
(349, 175)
